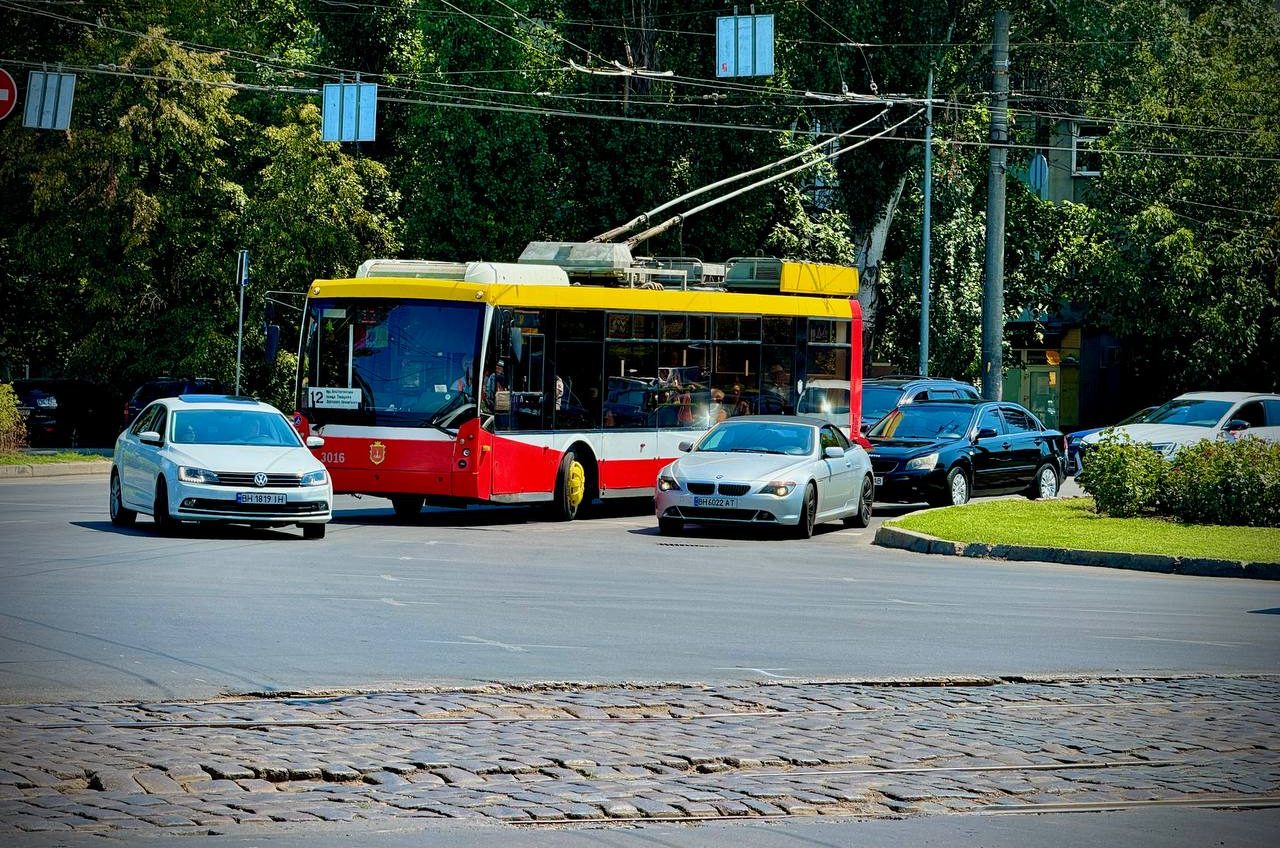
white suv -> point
(1195, 416)
(218, 458)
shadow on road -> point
(489, 515)
(195, 530)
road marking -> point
(767, 672)
(1178, 641)
(392, 602)
(476, 641)
(921, 603)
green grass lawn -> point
(43, 458)
(1072, 523)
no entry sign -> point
(8, 94)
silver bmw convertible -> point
(777, 470)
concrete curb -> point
(52, 469)
(908, 540)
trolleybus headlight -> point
(668, 484)
(781, 488)
(314, 478)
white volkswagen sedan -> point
(778, 470)
(218, 458)
(1195, 416)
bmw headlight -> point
(780, 488)
(314, 478)
(668, 484)
(196, 475)
(923, 463)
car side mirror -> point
(987, 433)
(833, 452)
(149, 437)
(685, 447)
(1236, 425)
(315, 442)
(864, 427)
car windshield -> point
(878, 400)
(233, 427)
(1190, 412)
(1138, 417)
(924, 421)
(823, 401)
(758, 437)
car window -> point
(840, 437)
(233, 427)
(943, 394)
(828, 439)
(144, 420)
(969, 391)
(161, 420)
(758, 437)
(1018, 421)
(1272, 409)
(1251, 412)
(878, 400)
(1193, 412)
(924, 421)
(991, 419)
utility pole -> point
(242, 282)
(925, 233)
(993, 281)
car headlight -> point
(781, 488)
(1166, 448)
(314, 478)
(923, 463)
(47, 402)
(668, 484)
(196, 475)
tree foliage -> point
(195, 135)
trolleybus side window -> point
(683, 372)
(633, 391)
(735, 377)
(578, 365)
(518, 339)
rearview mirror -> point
(987, 433)
(833, 452)
(315, 442)
(1235, 425)
(685, 447)
(149, 437)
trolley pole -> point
(993, 282)
(242, 282)
(926, 233)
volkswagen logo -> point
(260, 479)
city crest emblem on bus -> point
(377, 453)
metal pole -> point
(242, 280)
(926, 233)
(993, 283)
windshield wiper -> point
(755, 450)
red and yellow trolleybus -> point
(452, 384)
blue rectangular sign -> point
(744, 46)
(49, 97)
(350, 111)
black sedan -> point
(946, 451)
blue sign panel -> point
(49, 98)
(744, 46)
(350, 111)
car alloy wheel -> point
(121, 516)
(808, 513)
(959, 486)
(865, 500)
(1047, 482)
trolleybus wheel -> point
(571, 488)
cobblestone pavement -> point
(563, 754)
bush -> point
(13, 430)
(1210, 482)
(1236, 482)
(1125, 478)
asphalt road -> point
(90, 612)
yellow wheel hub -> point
(576, 484)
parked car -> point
(218, 458)
(773, 470)
(66, 413)
(946, 451)
(880, 395)
(162, 387)
(1195, 416)
(1074, 439)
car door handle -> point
(1004, 445)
